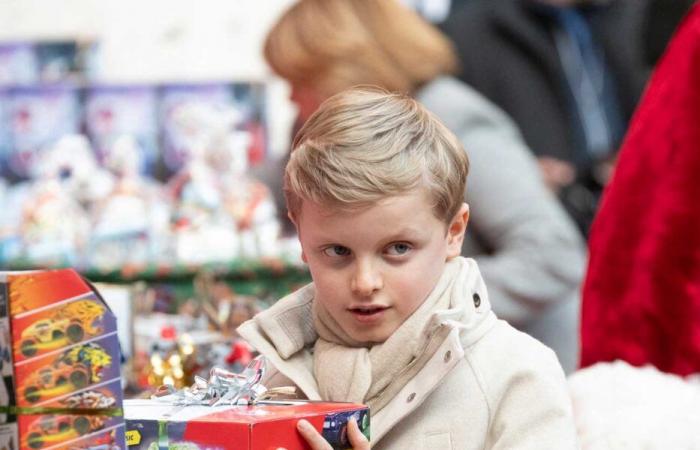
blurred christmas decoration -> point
(175, 348)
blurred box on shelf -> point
(39, 116)
(265, 425)
(240, 105)
(119, 301)
(177, 138)
(114, 111)
(62, 387)
(19, 63)
(44, 61)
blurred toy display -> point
(211, 211)
(102, 214)
(39, 116)
(199, 132)
(52, 225)
(5, 129)
(223, 308)
(18, 64)
(131, 223)
(114, 111)
(26, 63)
(189, 118)
(3, 190)
(106, 177)
(173, 348)
(217, 199)
(72, 162)
(34, 116)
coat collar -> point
(414, 393)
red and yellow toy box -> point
(61, 366)
(264, 426)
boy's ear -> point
(456, 230)
(293, 219)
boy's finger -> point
(313, 437)
(357, 439)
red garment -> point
(641, 297)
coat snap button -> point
(411, 397)
(477, 300)
(448, 356)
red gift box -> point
(263, 426)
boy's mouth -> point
(368, 313)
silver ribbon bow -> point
(222, 388)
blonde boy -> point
(395, 318)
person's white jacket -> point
(488, 386)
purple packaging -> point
(18, 64)
(5, 134)
(175, 152)
(38, 117)
(114, 111)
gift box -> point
(265, 425)
(61, 363)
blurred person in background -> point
(528, 250)
(661, 21)
(434, 11)
(641, 298)
(569, 72)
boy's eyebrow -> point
(400, 235)
(403, 233)
(322, 240)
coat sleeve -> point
(528, 397)
(530, 253)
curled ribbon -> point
(222, 388)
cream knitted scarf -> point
(347, 371)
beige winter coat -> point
(488, 386)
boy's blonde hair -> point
(366, 144)
(332, 45)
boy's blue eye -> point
(336, 250)
(398, 249)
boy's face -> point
(374, 267)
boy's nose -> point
(366, 280)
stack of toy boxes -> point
(60, 364)
(266, 425)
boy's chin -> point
(369, 338)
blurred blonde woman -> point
(323, 47)
(529, 252)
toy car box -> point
(60, 365)
(153, 425)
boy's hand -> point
(316, 441)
